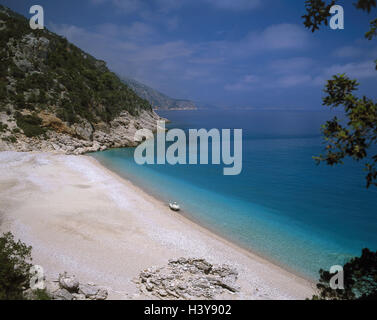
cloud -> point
(166, 6)
(132, 50)
(275, 38)
(301, 72)
(358, 70)
(291, 65)
(136, 30)
(236, 5)
(127, 6)
(348, 52)
(354, 70)
(360, 50)
(281, 36)
(158, 63)
(244, 84)
(142, 51)
(294, 81)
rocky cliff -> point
(55, 97)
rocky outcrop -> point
(69, 288)
(81, 137)
(188, 279)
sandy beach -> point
(81, 218)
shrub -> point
(30, 124)
(14, 268)
(40, 295)
(3, 127)
(11, 139)
(360, 280)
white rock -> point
(69, 283)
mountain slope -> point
(157, 99)
(54, 96)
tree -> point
(15, 264)
(355, 138)
(360, 280)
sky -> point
(222, 53)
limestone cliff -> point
(56, 97)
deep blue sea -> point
(282, 206)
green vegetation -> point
(61, 78)
(11, 139)
(41, 295)
(359, 135)
(15, 276)
(14, 268)
(3, 127)
(354, 140)
(30, 124)
(360, 280)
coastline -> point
(84, 218)
(186, 217)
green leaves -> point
(373, 30)
(365, 5)
(318, 12)
(30, 124)
(354, 138)
(15, 264)
(339, 90)
(360, 280)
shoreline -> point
(83, 218)
(195, 223)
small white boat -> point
(174, 206)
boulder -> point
(69, 283)
(92, 292)
(62, 294)
(188, 279)
(78, 296)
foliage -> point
(373, 30)
(359, 135)
(11, 139)
(14, 268)
(3, 127)
(30, 124)
(318, 13)
(41, 295)
(63, 78)
(360, 280)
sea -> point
(282, 206)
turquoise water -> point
(282, 206)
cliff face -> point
(55, 97)
(157, 99)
